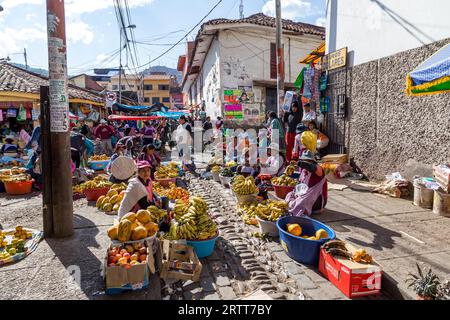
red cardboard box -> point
(353, 279)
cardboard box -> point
(178, 261)
(335, 158)
(119, 279)
(353, 279)
(442, 176)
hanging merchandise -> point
(28, 113)
(22, 115)
(323, 82)
(299, 81)
(11, 113)
(325, 104)
(308, 82)
(35, 113)
(315, 86)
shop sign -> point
(336, 59)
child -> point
(298, 147)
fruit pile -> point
(133, 227)
(97, 183)
(290, 169)
(337, 248)
(227, 173)
(284, 181)
(17, 243)
(167, 172)
(244, 186)
(16, 178)
(296, 230)
(231, 164)
(173, 192)
(102, 157)
(194, 223)
(156, 214)
(111, 202)
(216, 169)
(268, 210)
(127, 255)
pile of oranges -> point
(173, 192)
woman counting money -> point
(139, 194)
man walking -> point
(104, 132)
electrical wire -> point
(184, 37)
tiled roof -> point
(263, 20)
(14, 79)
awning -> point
(132, 118)
(169, 114)
(314, 57)
(125, 108)
(432, 76)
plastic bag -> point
(309, 140)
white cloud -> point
(321, 22)
(74, 7)
(9, 4)
(30, 16)
(290, 9)
(78, 31)
(12, 40)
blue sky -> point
(93, 33)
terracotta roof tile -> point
(18, 80)
(263, 20)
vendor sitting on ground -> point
(139, 194)
(245, 168)
(314, 196)
(118, 151)
(148, 154)
(276, 162)
(9, 148)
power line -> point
(185, 36)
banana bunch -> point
(231, 164)
(271, 210)
(180, 209)
(249, 213)
(102, 157)
(193, 222)
(216, 169)
(3, 242)
(290, 169)
(97, 183)
(165, 172)
(77, 189)
(244, 186)
(284, 181)
(156, 213)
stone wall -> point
(388, 129)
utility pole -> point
(241, 9)
(58, 202)
(25, 56)
(280, 57)
(120, 67)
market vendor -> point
(308, 114)
(139, 193)
(311, 193)
(9, 148)
(246, 168)
(275, 163)
(118, 151)
(298, 147)
(148, 154)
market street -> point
(242, 263)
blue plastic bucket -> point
(98, 165)
(203, 248)
(303, 250)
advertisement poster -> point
(253, 114)
(234, 112)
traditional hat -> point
(308, 155)
(123, 168)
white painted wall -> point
(245, 55)
(211, 80)
(379, 28)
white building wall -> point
(211, 81)
(245, 56)
(377, 28)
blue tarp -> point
(437, 66)
(125, 108)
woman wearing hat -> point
(311, 193)
(139, 193)
(298, 147)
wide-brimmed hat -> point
(308, 156)
(143, 164)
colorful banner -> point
(234, 111)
